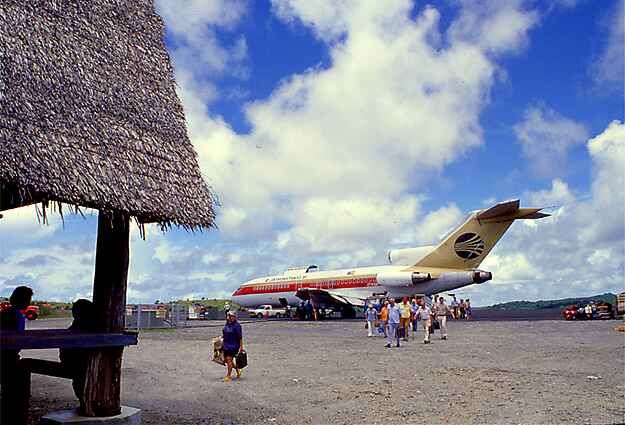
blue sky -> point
(333, 131)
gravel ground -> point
(541, 372)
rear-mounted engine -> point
(401, 278)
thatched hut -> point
(89, 116)
(89, 113)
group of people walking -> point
(397, 320)
(460, 309)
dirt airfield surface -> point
(538, 372)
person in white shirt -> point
(424, 316)
(372, 316)
(441, 310)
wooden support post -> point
(103, 381)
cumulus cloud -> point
(579, 250)
(546, 138)
(609, 67)
(26, 223)
(60, 271)
(436, 224)
(394, 105)
(494, 25)
(201, 57)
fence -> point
(154, 316)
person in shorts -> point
(233, 343)
(404, 320)
(424, 315)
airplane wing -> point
(322, 296)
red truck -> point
(31, 312)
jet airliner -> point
(450, 265)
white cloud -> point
(510, 268)
(393, 106)
(194, 24)
(608, 69)
(26, 223)
(559, 194)
(322, 226)
(54, 272)
(494, 25)
(604, 215)
(437, 224)
(546, 138)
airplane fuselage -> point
(354, 284)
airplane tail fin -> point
(468, 245)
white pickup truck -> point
(266, 310)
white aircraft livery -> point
(450, 265)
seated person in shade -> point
(75, 359)
(12, 406)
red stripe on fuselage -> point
(294, 285)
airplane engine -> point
(408, 256)
(401, 278)
(453, 280)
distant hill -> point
(214, 303)
(545, 304)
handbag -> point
(218, 351)
(241, 359)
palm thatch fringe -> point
(89, 114)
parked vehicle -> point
(604, 311)
(266, 310)
(572, 312)
(31, 312)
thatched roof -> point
(89, 114)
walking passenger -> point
(393, 322)
(384, 317)
(461, 311)
(441, 312)
(467, 309)
(424, 315)
(372, 316)
(414, 306)
(233, 343)
(454, 307)
(404, 319)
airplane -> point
(411, 272)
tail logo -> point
(469, 246)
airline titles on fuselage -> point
(293, 283)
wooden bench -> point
(52, 338)
(64, 338)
